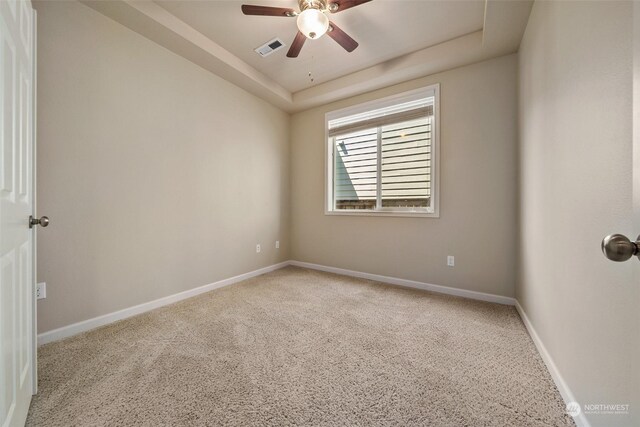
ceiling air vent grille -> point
(269, 47)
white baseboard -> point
(563, 388)
(410, 283)
(86, 325)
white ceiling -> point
(385, 29)
(399, 40)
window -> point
(382, 156)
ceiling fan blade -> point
(296, 45)
(340, 5)
(249, 9)
(342, 38)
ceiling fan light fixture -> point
(313, 23)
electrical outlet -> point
(277, 244)
(258, 249)
(451, 260)
(41, 290)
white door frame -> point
(636, 117)
(34, 268)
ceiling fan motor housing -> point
(312, 4)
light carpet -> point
(302, 347)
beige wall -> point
(158, 176)
(575, 173)
(478, 221)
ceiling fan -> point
(312, 21)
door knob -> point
(619, 248)
(42, 222)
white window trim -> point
(435, 155)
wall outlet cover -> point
(41, 290)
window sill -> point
(408, 214)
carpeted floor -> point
(301, 347)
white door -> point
(636, 189)
(17, 356)
(627, 248)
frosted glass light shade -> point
(313, 23)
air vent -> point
(269, 47)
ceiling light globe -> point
(313, 23)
